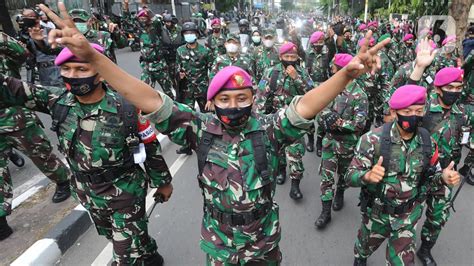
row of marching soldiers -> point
(398, 165)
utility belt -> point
(237, 219)
(105, 175)
(379, 207)
(45, 64)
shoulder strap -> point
(426, 146)
(274, 80)
(58, 113)
(128, 114)
(386, 146)
(207, 139)
(259, 153)
(310, 62)
(209, 41)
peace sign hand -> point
(67, 34)
(367, 60)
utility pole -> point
(173, 7)
(366, 9)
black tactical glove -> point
(328, 121)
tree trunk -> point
(459, 10)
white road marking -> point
(105, 255)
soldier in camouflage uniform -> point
(350, 45)
(233, 57)
(238, 149)
(393, 188)
(193, 62)
(382, 82)
(20, 129)
(407, 52)
(266, 55)
(343, 121)
(279, 85)
(448, 122)
(172, 39)
(255, 43)
(467, 98)
(317, 65)
(448, 56)
(154, 67)
(99, 133)
(110, 41)
(216, 40)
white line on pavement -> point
(23, 197)
(105, 255)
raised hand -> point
(425, 54)
(67, 34)
(376, 174)
(36, 33)
(367, 60)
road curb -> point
(62, 236)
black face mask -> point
(318, 48)
(81, 86)
(216, 30)
(288, 63)
(450, 97)
(409, 123)
(234, 117)
(28, 23)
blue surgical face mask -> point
(190, 38)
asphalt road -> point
(176, 224)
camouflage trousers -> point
(153, 72)
(32, 141)
(272, 258)
(118, 211)
(332, 162)
(192, 94)
(294, 157)
(401, 237)
(437, 213)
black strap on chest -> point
(310, 62)
(258, 145)
(273, 86)
(59, 113)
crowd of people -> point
(391, 108)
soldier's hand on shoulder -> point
(376, 174)
(163, 193)
(450, 176)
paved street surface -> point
(176, 224)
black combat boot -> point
(16, 159)
(338, 200)
(319, 146)
(325, 216)
(295, 192)
(310, 143)
(281, 177)
(154, 260)
(424, 253)
(184, 150)
(63, 191)
(5, 229)
(360, 262)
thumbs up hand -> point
(450, 176)
(376, 174)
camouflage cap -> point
(79, 14)
(268, 32)
(233, 36)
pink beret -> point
(433, 46)
(287, 48)
(425, 32)
(362, 41)
(406, 96)
(407, 37)
(450, 38)
(215, 21)
(316, 36)
(143, 13)
(373, 24)
(66, 55)
(362, 26)
(342, 60)
(230, 77)
(448, 75)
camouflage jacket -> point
(104, 39)
(12, 56)
(264, 58)
(468, 92)
(446, 127)
(229, 181)
(151, 44)
(268, 101)
(444, 61)
(382, 80)
(406, 54)
(195, 63)
(242, 61)
(90, 137)
(317, 66)
(216, 45)
(402, 76)
(352, 106)
(400, 183)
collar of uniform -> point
(396, 138)
(435, 107)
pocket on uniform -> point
(216, 169)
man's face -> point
(143, 20)
(234, 98)
(347, 35)
(169, 24)
(77, 70)
(30, 14)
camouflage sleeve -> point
(178, 121)
(119, 39)
(13, 50)
(155, 165)
(362, 161)
(304, 82)
(437, 179)
(14, 92)
(399, 79)
(108, 44)
(288, 125)
(360, 111)
(261, 98)
(214, 68)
